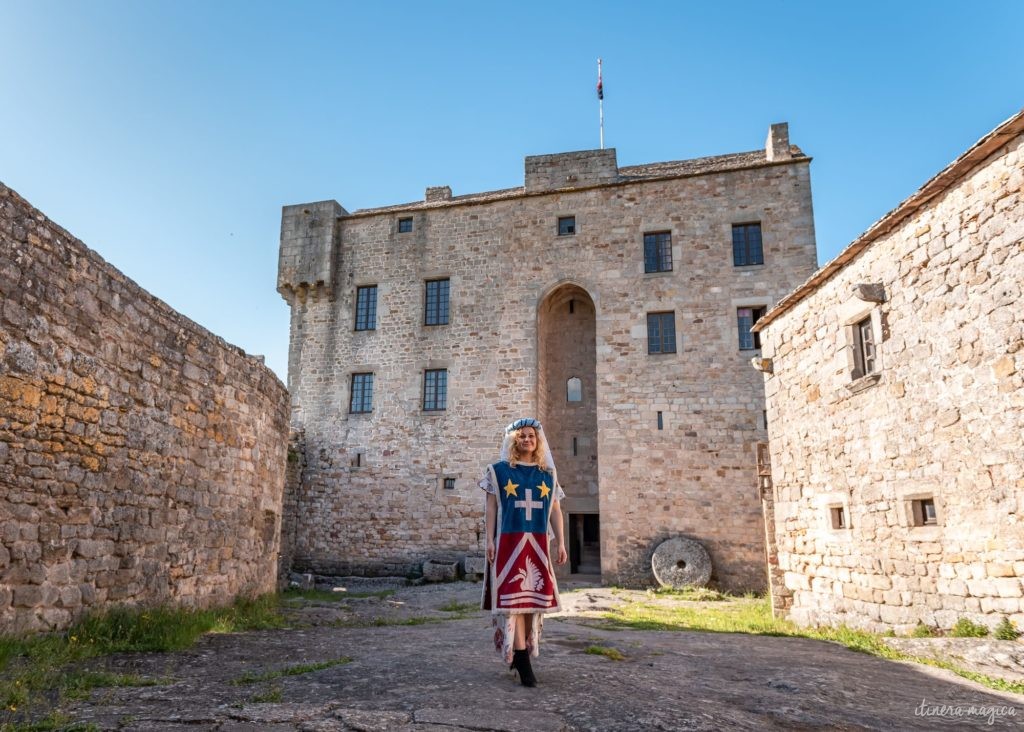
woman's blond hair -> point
(540, 453)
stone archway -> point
(567, 405)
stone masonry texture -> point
(372, 494)
(142, 458)
(941, 418)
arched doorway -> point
(567, 405)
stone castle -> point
(613, 303)
(144, 461)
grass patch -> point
(273, 695)
(462, 608)
(612, 653)
(79, 684)
(694, 594)
(302, 668)
(752, 615)
(387, 622)
(294, 595)
(922, 631)
(1006, 630)
(39, 672)
(966, 628)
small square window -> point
(661, 332)
(838, 518)
(405, 225)
(745, 319)
(923, 512)
(435, 390)
(366, 308)
(357, 460)
(864, 354)
(658, 252)
(746, 245)
(449, 484)
(435, 310)
(566, 225)
(361, 398)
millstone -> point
(680, 562)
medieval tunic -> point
(521, 580)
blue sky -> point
(167, 135)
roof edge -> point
(504, 194)
(936, 185)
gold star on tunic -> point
(544, 489)
(510, 488)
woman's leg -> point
(519, 641)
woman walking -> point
(523, 498)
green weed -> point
(966, 628)
(611, 653)
(302, 668)
(922, 631)
(273, 695)
(1006, 630)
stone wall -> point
(941, 419)
(141, 457)
(372, 497)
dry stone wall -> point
(141, 457)
(942, 420)
(372, 497)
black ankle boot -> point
(521, 663)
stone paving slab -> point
(443, 675)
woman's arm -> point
(556, 524)
(492, 514)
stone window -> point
(746, 244)
(923, 512)
(574, 390)
(405, 225)
(865, 361)
(661, 421)
(435, 311)
(658, 252)
(745, 319)
(661, 332)
(361, 398)
(575, 446)
(449, 484)
(838, 517)
(366, 307)
(566, 225)
(435, 390)
(862, 321)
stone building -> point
(896, 410)
(613, 303)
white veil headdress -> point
(506, 444)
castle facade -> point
(613, 303)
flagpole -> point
(600, 101)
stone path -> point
(441, 675)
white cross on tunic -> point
(529, 504)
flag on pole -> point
(600, 84)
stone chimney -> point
(776, 147)
(438, 193)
